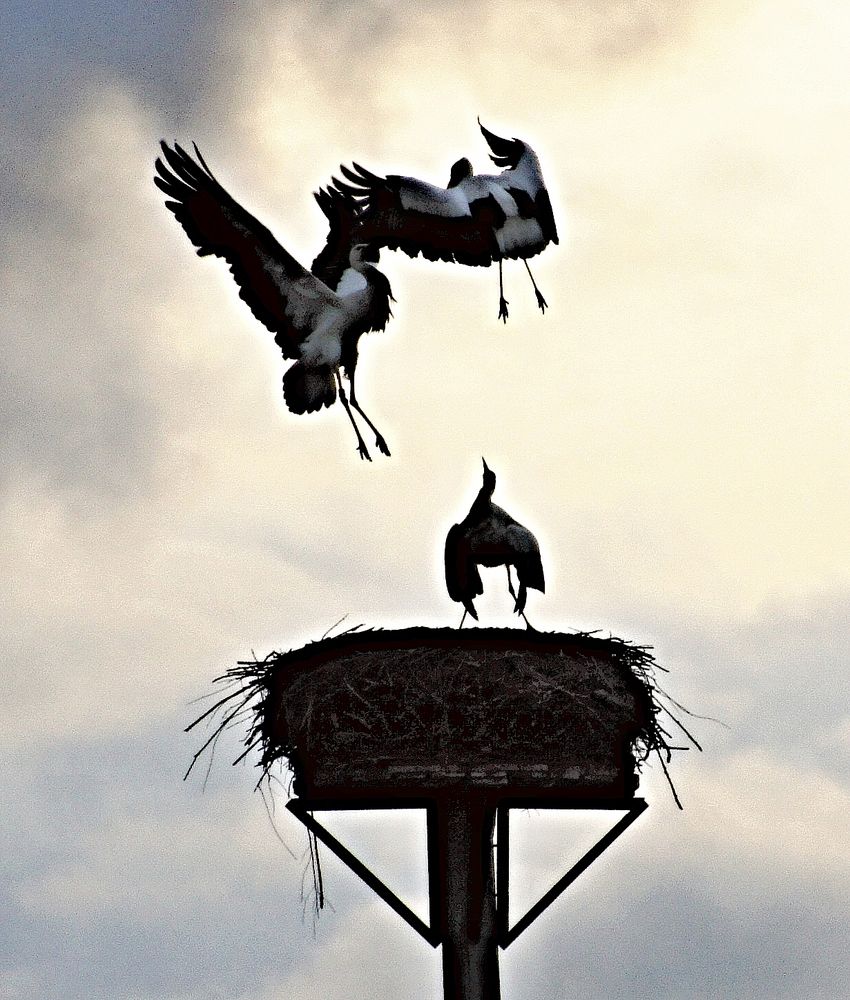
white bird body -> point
(351, 281)
(317, 316)
(475, 220)
(350, 306)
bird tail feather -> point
(308, 388)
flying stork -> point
(474, 220)
(489, 536)
(317, 316)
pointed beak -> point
(486, 466)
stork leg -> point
(519, 604)
(510, 584)
(503, 302)
(528, 624)
(540, 300)
(380, 443)
(465, 613)
(361, 444)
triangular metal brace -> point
(507, 934)
(303, 811)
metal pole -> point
(468, 923)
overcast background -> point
(675, 430)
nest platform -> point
(420, 711)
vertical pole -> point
(468, 924)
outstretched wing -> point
(407, 214)
(522, 178)
(333, 260)
(505, 153)
(284, 296)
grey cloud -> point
(127, 882)
(788, 666)
(160, 49)
(95, 908)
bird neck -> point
(481, 504)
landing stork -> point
(317, 316)
(489, 536)
(476, 219)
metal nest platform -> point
(466, 725)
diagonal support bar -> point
(304, 813)
(509, 934)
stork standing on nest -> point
(489, 536)
(317, 316)
(476, 219)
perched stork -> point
(317, 316)
(489, 536)
(476, 219)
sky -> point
(674, 429)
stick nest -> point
(421, 708)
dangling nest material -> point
(413, 711)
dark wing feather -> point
(333, 259)
(282, 295)
(526, 205)
(383, 220)
(506, 153)
(463, 581)
(545, 216)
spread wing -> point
(460, 222)
(333, 260)
(522, 178)
(285, 297)
(408, 214)
(505, 153)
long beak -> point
(486, 466)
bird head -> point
(489, 477)
(460, 171)
(366, 252)
(362, 253)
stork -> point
(489, 536)
(476, 219)
(317, 316)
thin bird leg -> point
(380, 443)
(465, 612)
(361, 444)
(519, 607)
(528, 624)
(540, 300)
(510, 585)
(519, 604)
(503, 302)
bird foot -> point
(381, 445)
(503, 309)
(363, 451)
(541, 301)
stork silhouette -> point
(476, 219)
(317, 316)
(489, 536)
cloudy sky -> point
(675, 430)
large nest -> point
(415, 711)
